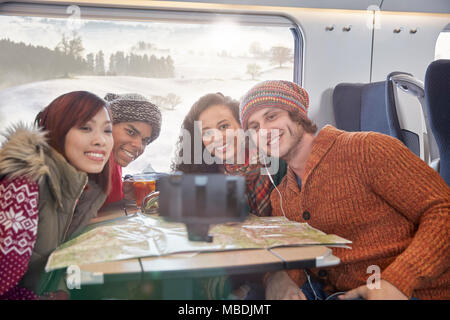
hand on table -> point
(386, 292)
(281, 287)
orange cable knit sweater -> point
(369, 188)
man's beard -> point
(297, 138)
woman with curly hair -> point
(223, 148)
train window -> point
(443, 44)
(172, 58)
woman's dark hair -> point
(193, 115)
(67, 111)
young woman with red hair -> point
(53, 179)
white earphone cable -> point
(271, 180)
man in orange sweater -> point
(364, 186)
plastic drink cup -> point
(142, 188)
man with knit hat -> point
(136, 123)
(364, 186)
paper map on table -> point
(143, 236)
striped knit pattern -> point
(130, 107)
(369, 188)
(274, 93)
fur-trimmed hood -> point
(22, 154)
(65, 205)
(25, 153)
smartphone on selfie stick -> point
(199, 200)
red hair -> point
(70, 110)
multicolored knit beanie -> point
(131, 107)
(274, 93)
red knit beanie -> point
(274, 93)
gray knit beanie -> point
(131, 107)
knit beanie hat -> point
(131, 107)
(274, 93)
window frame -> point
(174, 15)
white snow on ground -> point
(22, 103)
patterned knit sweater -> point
(369, 188)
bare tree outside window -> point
(280, 55)
(254, 70)
(173, 100)
(256, 50)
